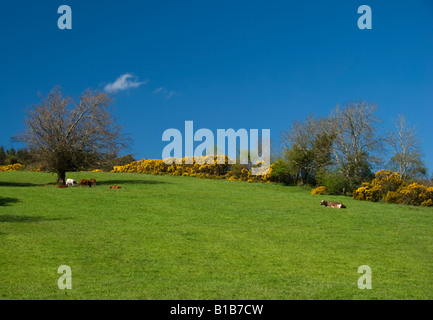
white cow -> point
(71, 183)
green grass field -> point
(167, 237)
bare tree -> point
(67, 134)
(406, 147)
(357, 143)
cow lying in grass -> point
(115, 187)
(331, 204)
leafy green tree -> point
(307, 148)
(2, 156)
(11, 156)
(335, 182)
(281, 172)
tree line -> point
(31, 160)
(12, 156)
(343, 149)
(340, 151)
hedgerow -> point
(13, 167)
(214, 167)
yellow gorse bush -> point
(389, 186)
(417, 195)
(384, 182)
(319, 190)
(215, 167)
(367, 192)
(12, 167)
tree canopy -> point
(65, 133)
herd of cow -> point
(92, 183)
(83, 183)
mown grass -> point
(166, 237)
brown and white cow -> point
(331, 204)
(71, 183)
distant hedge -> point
(214, 167)
(13, 167)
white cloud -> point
(158, 90)
(124, 82)
(168, 94)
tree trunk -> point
(61, 178)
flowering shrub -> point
(389, 186)
(392, 197)
(242, 173)
(319, 190)
(179, 167)
(12, 167)
(97, 170)
(427, 203)
(416, 194)
(367, 192)
(384, 182)
(215, 167)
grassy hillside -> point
(167, 237)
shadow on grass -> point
(122, 181)
(15, 218)
(6, 201)
(18, 184)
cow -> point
(115, 187)
(331, 204)
(71, 183)
(85, 182)
(92, 182)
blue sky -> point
(222, 64)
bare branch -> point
(69, 134)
